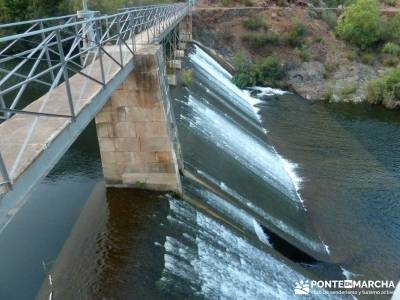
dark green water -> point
(349, 156)
(39, 230)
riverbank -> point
(317, 64)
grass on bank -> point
(384, 89)
(187, 77)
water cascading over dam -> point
(238, 188)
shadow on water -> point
(115, 248)
(40, 228)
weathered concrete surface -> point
(175, 64)
(136, 148)
(185, 29)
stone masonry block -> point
(155, 144)
(103, 117)
(163, 156)
(102, 130)
(125, 129)
(127, 144)
(151, 129)
(124, 98)
(106, 144)
(108, 157)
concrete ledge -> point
(182, 46)
(179, 53)
(152, 181)
(172, 80)
(175, 64)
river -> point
(277, 190)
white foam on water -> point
(348, 274)
(251, 152)
(262, 236)
(326, 248)
(291, 231)
(239, 216)
(223, 265)
(290, 168)
(267, 91)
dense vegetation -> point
(384, 89)
(265, 72)
(14, 10)
(362, 25)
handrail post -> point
(132, 30)
(119, 41)
(65, 73)
(99, 35)
(4, 172)
(81, 59)
(47, 51)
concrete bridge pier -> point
(136, 129)
(185, 30)
(184, 37)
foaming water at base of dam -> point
(217, 263)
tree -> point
(360, 24)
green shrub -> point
(266, 72)
(300, 29)
(247, 2)
(270, 71)
(360, 24)
(368, 58)
(241, 61)
(259, 40)
(329, 18)
(227, 2)
(295, 37)
(374, 91)
(187, 77)
(389, 2)
(391, 61)
(348, 89)
(391, 48)
(328, 94)
(254, 23)
(386, 88)
(330, 69)
(352, 55)
(304, 52)
(392, 29)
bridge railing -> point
(42, 60)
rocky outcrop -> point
(308, 80)
(313, 81)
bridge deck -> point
(44, 130)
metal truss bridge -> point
(55, 76)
